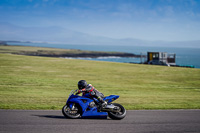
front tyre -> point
(71, 113)
(119, 114)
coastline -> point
(83, 55)
(55, 52)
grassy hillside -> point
(28, 82)
(55, 52)
(18, 49)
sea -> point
(184, 56)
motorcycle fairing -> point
(87, 111)
(110, 98)
(93, 114)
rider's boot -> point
(102, 103)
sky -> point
(164, 20)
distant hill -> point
(56, 34)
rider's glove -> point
(79, 91)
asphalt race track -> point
(140, 121)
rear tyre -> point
(71, 113)
(120, 114)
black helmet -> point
(82, 84)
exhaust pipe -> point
(111, 108)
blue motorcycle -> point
(87, 107)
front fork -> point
(71, 106)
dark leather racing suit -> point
(93, 93)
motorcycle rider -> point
(88, 88)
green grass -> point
(28, 82)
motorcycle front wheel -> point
(71, 113)
(118, 115)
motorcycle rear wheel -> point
(118, 115)
(68, 113)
